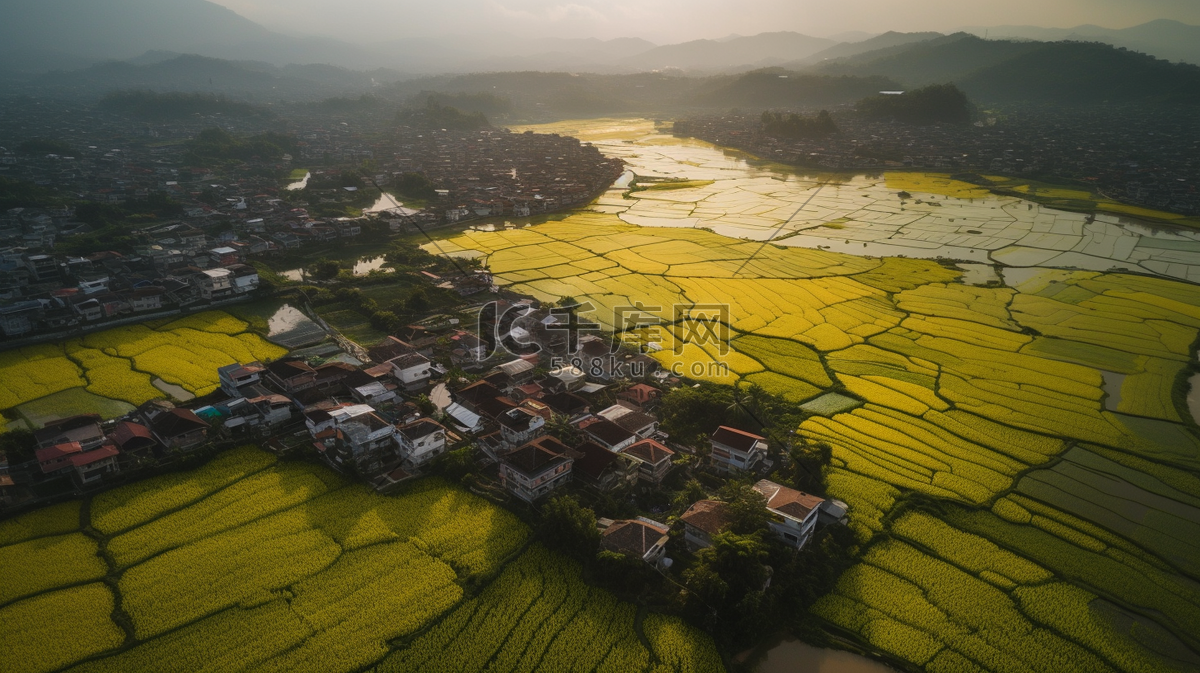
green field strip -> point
(48, 521)
(1123, 584)
(45, 564)
(153, 498)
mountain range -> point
(43, 35)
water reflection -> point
(386, 203)
(741, 197)
(793, 656)
(300, 184)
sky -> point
(668, 21)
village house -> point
(179, 428)
(794, 513)
(421, 441)
(353, 435)
(608, 434)
(236, 376)
(703, 520)
(411, 370)
(640, 424)
(291, 376)
(132, 438)
(641, 396)
(603, 469)
(520, 425)
(87, 467)
(653, 460)
(533, 470)
(734, 449)
(83, 430)
(214, 283)
(640, 538)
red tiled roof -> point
(632, 537)
(106, 451)
(650, 451)
(788, 501)
(737, 439)
(57, 451)
(707, 515)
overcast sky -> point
(665, 21)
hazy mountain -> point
(775, 87)
(476, 53)
(1164, 38)
(760, 50)
(1084, 73)
(943, 59)
(43, 35)
(249, 80)
(103, 29)
(887, 40)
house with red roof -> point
(734, 449)
(653, 460)
(793, 513)
(533, 470)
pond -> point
(793, 656)
(300, 184)
(366, 265)
(386, 203)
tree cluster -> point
(219, 145)
(936, 103)
(782, 125)
(437, 116)
(176, 104)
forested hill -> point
(1051, 72)
(1079, 72)
(781, 88)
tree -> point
(561, 429)
(324, 269)
(691, 492)
(18, 445)
(570, 527)
(747, 508)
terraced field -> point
(253, 564)
(1013, 518)
(112, 371)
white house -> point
(794, 512)
(421, 441)
(214, 283)
(734, 449)
(412, 370)
(519, 425)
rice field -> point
(249, 563)
(1061, 526)
(111, 371)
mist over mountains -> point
(90, 48)
(38, 36)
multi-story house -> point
(354, 436)
(520, 425)
(214, 283)
(639, 538)
(794, 513)
(533, 470)
(734, 449)
(411, 370)
(703, 520)
(421, 441)
(653, 460)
